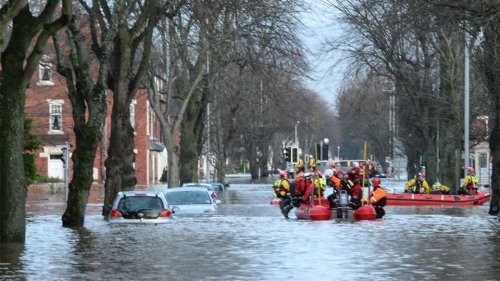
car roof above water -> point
(140, 192)
(186, 188)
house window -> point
(483, 160)
(45, 71)
(55, 120)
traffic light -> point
(288, 154)
(317, 152)
(295, 155)
(325, 152)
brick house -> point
(48, 105)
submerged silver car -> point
(208, 186)
(140, 206)
(190, 200)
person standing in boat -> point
(353, 188)
(377, 198)
(282, 186)
(418, 185)
(312, 163)
(319, 185)
(438, 188)
(471, 183)
(299, 166)
(301, 193)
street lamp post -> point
(296, 135)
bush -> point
(44, 179)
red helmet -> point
(470, 170)
(283, 174)
(376, 182)
(339, 174)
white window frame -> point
(55, 110)
(43, 66)
(132, 113)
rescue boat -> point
(412, 199)
(318, 211)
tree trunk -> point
(128, 64)
(173, 163)
(17, 68)
(188, 153)
(89, 113)
(120, 173)
(12, 179)
(491, 65)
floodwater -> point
(248, 239)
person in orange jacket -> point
(377, 198)
(338, 181)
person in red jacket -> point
(377, 198)
(301, 193)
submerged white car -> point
(140, 206)
(208, 186)
(190, 200)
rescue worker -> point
(471, 183)
(377, 198)
(299, 166)
(418, 185)
(301, 193)
(330, 171)
(282, 186)
(354, 189)
(338, 181)
(312, 163)
(319, 185)
(438, 188)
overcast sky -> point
(319, 25)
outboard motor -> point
(343, 207)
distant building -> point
(48, 105)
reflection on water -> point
(248, 239)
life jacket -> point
(356, 192)
(335, 182)
(474, 183)
(319, 184)
(312, 163)
(418, 187)
(281, 187)
(436, 187)
(277, 184)
(378, 197)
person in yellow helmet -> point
(299, 166)
(418, 185)
(438, 188)
(319, 185)
(312, 164)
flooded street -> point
(248, 239)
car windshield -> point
(136, 203)
(188, 197)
